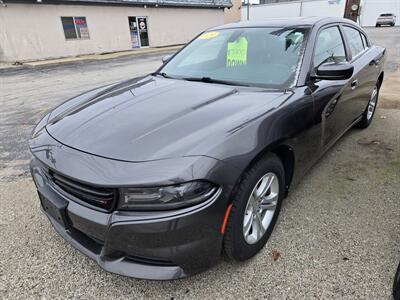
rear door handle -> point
(354, 84)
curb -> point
(91, 57)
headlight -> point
(168, 197)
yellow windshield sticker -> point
(237, 53)
(209, 35)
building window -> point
(75, 28)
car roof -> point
(286, 22)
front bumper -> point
(148, 245)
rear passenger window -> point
(329, 47)
(355, 40)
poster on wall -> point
(133, 32)
(81, 27)
(143, 34)
(134, 40)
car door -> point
(365, 70)
(332, 98)
(375, 58)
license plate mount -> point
(56, 209)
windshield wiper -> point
(163, 74)
(212, 80)
(201, 79)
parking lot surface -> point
(338, 235)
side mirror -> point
(334, 71)
(166, 58)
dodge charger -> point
(157, 177)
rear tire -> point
(369, 112)
(242, 240)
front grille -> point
(101, 197)
(150, 261)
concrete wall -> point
(371, 9)
(34, 31)
(333, 8)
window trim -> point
(365, 39)
(76, 29)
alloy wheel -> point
(260, 208)
(372, 103)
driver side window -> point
(329, 47)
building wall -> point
(334, 8)
(274, 1)
(233, 14)
(34, 31)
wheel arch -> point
(380, 78)
(287, 156)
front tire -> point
(255, 208)
(369, 112)
(396, 285)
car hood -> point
(156, 118)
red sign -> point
(80, 22)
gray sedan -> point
(156, 177)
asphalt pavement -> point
(338, 235)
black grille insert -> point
(150, 261)
(101, 197)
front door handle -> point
(354, 84)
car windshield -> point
(386, 15)
(265, 57)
